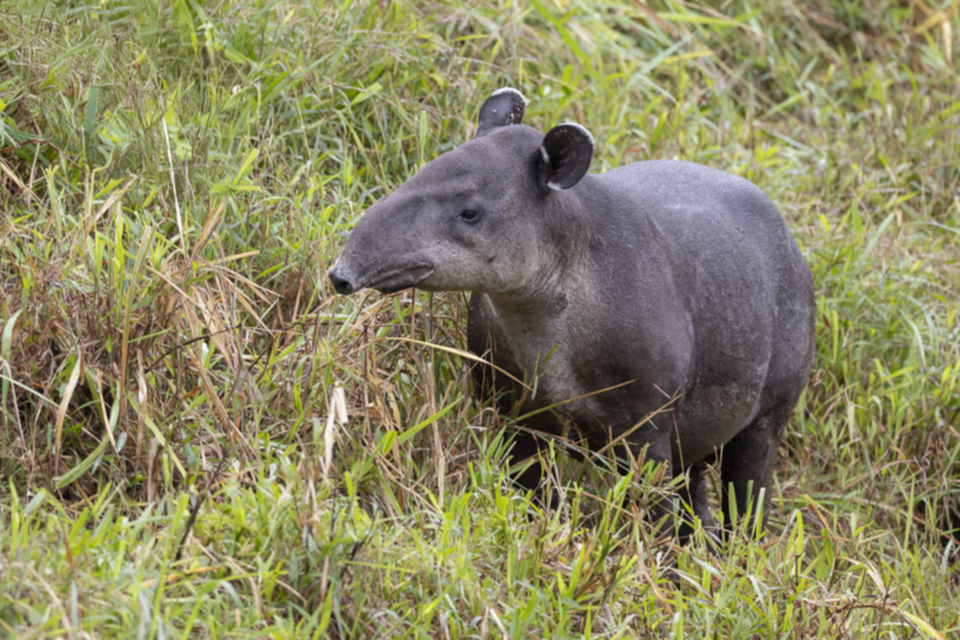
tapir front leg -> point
(488, 382)
(695, 503)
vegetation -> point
(197, 439)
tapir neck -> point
(556, 264)
(534, 301)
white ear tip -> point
(509, 90)
(583, 130)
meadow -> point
(199, 439)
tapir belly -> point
(695, 426)
(710, 417)
(713, 403)
(605, 382)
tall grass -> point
(199, 440)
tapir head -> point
(474, 219)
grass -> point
(199, 440)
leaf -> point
(91, 116)
(558, 24)
(246, 166)
(695, 18)
(414, 430)
(82, 468)
(923, 625)
(235, 185)
(933, 20)
(65, 402)
(367, 93)
(5, 356)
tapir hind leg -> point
(752, 454)
(747, 463)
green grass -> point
(175, 180)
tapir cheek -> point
(467, 235)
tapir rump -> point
(653, 280)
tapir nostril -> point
(340, 285)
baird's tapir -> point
(656, 280)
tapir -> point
(662, 305)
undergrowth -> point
(199, 439)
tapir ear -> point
(504, 107)
(565, 156)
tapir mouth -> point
(384, 278)
(403, 279)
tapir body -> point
(656, 280)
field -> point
(198, 439)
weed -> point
(175, 180)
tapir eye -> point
(469, 215)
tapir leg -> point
(526, 450)
(694, 498)
(691, 499)
(748, 458)
(752, 454)
(487, 382)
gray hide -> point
(669, 276)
